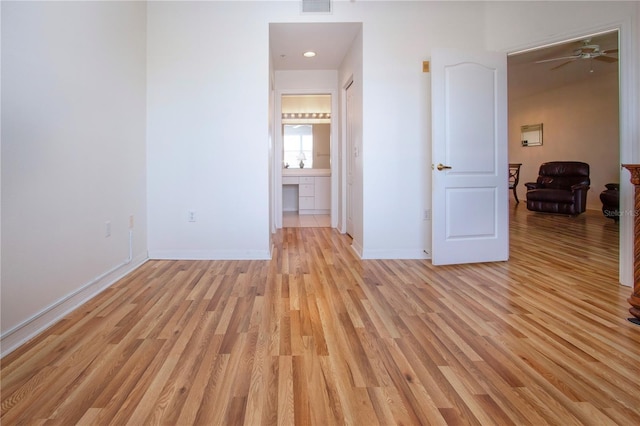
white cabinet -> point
(306, 205)
(307, 179)
(306, 190)
(322, 193)
(314, 193)
(290, 180)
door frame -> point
(346, 149)
(277, 155)
(628, 75)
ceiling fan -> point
(586, 51)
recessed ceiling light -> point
(309, 54)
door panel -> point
(470, 189)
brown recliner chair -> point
(561, 187)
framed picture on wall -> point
(531, 134)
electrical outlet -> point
(427, 214)
(192, 216)
(107, 229)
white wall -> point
(73, 155)
(396, 117)
(208, 131)
(194, 109)
(580, 124)
(208, 71)
(218, 68)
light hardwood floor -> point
(316, 336)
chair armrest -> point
(579, 186)
(533, 185)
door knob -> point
(442, 166)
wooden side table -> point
(634, 300)
(514, 178)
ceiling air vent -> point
(316, 6)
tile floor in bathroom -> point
(295, 220)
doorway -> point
(294, 73)
(305, 134)
(572, 87)
(305, 155)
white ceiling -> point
(330, 41)
(527, 77)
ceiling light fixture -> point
(309, 54)
(306, 115)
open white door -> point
(470, 166)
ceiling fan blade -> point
(558, 59)
(610, 51)
(561, 65)
(606, 59)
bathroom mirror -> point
(306, 131)
(306, 146)
(531, 134)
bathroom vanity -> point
(307, 191)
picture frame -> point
(531, 134)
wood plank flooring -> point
(317, 337)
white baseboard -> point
(357, 248)
(12, 339)
(210, 254)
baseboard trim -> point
(27, 330)
(210, 254)
(357, 248)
